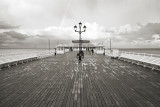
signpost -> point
(80, 41)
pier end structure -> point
(74, 46)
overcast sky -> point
(30, 23)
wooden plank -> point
(96, 81)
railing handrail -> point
(135, 53)
(26, 53)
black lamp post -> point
(49, 44)
(110, 44)
(80, 39)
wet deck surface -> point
(61, 81)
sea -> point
(18, 51)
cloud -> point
(156, 40)
(93, 31)
(150, 29)
(4, 25)
(12, 37)
(133, 36)
(61, 33)
(146, 31)
(124, 29)
(16, 35)
(135, 32)
(45, 13)
(122, 36)
(156, 37)
(41, 20)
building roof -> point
(83, 45)
(62, 45)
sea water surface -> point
(18, 51)
(148, 51)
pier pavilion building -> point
(86, 46)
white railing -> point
(66, 50)
(44, 54)
(152, 59)
(9, 58)
(112, 53)
(99, 51)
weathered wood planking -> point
(60, 81)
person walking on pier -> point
(92, 51)
(55, 52)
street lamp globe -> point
(80, 24)
(84, 27)
(75, 27)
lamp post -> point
(110, 43)
(80, 39)
(49, 44)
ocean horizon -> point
(23, 50)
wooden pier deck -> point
(60, 81)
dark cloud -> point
(12, 37)
(4, 37)
(144, 33)
(150, 29)
(4, 25)
(16, 35)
